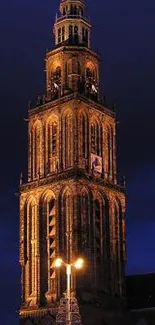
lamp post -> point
(78, 264)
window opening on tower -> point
(95, 139)
(56, 83)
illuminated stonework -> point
(72, 203)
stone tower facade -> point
(71, 204)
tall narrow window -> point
(70, 34)
(102, 240)
(68, 140)
(117, 245)
(43, 251)
(84, 235)
(75, 10)
(89, 80)
(78, 68)
(98, 230)
(56, 83)
(54, 139)
(99, 242)
(79, 76)
(84, 224)
(65, 231)
(47, 227)
(86, 36)
(83, 35)
(31, 247)
(76, 34)
(52, 143)
(36, 151)
(71, 10)
(32, 153)
(91, 87)
(96, 139)
(110, 151)
(93, 138)
(63, 33)
(59, 35)
(51, 244)
(64, 11)
(83, 136)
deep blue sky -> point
(124, 33)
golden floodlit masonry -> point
(71, 204)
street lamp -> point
(78, 264)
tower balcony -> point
(42, 101)
(72, 16)
(75, 173)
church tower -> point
(72, 203)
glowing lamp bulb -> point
(58, 262)
(79, 263)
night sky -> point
(124, 34)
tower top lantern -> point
(72, 27)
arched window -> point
(80, 11)
(84, 222)
(63, 33)
(69, 67)
(71, 9)
(64, 11)
(59, 35)
(47, 227)
(56, 83)
(98, 231)
(83, 35)
(65, 230)
(75, 10)
(76, 39)
(70, 34)
(91, 87)
(83, 136)
(101, 241)
(86, 36)
(78, 67)
(89, 80)
(90, 74)
(31, 247)
(67, 140)
(52, 139)
(110, 151)
(96, 138)
(117, 251)
(93, 138)
(52, 144)
(67, 201)
(36, 139)
(36, 150)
